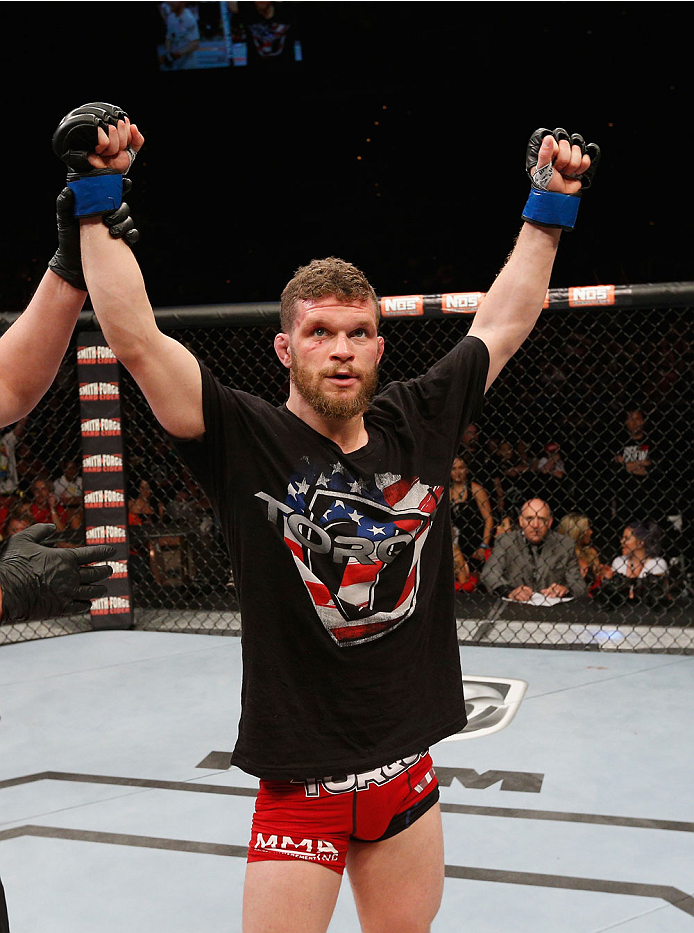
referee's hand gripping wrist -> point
(98, 145)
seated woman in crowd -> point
(472, 521)
(640, 555)
(577, 526)
(639, 572)
(143, 509)
(506, 524)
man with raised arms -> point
(335, 511)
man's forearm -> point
(32, 349)
(117, 291)
(513, 303)
(167, 372)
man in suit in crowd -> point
(533, 559)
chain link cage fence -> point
(589, 426)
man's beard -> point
(331, 405)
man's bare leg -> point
(289, 897)
(398, 883)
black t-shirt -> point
(343, 566)
(270, 41)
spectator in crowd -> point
(68, 489)
(29, 467)
(68, 486)
(191, 507)
(470, 443)
(641, 551)
(183, 509)
(533, 559)
(640, 572)
(477, 458)
(525, 458)
(23, 509)
(552, 482)
(506, 524)
(143, 512)
(637, 472)
(551, 464)
(511, 480)
(45, 506)
(578, 528)
(471, 513)
(16, 523)
(635, 455)
(143, 509)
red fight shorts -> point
(314, 820)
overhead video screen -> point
(194, 36)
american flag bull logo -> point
(357, 548)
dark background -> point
(246, 174)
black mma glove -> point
(40, 582)
(550, 208)
(67, 261)
(96, 190)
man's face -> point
(470, 436)
(41, 491)
(332, 354)
(535, 521)
(635, 422)
(17, 524)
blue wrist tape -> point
(551, 209)
(96, 194)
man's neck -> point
(349, 434)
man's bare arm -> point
(513, 304)
(560, 168)
(166, 372)
(32, 349)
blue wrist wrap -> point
(96, 194)
(551, 209)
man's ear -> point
(381, 347)
(283, 349)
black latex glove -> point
(67, 261)
(39, 582)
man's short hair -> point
(323, 278)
